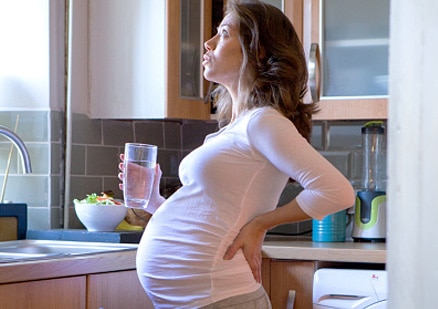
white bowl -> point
(100, 217)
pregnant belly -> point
(181, 275)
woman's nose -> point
(208, 45)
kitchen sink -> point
(24, 250)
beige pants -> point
(255, 300)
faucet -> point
(16, 140)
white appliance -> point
(350, 288)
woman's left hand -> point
(250, 240)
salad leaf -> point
(93, 198)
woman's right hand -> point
(156, 199)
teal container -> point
(331, 228)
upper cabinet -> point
(144, 58)
(347, 43)
(347, 46)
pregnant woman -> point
(202, 246)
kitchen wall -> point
(95, 156)
(42, 132)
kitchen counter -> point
(302, 248)
(67, 266)
(275, 247)
(84, 235)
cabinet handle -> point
(290, 299)
(314, 69)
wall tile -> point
(117, 133)
(102, 160)
(345, 135)
(150, 132)
(74, 222)
(33, 126)
(39, 155)
(57, 158)
(316, 138)
(78, 160)
(194, 133)
(57, 194)
(30, 189)
(5, 148)
(86, 130)
(56, 218)
(172, 135)
(38, 218)
(169, 162)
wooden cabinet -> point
(289, 281)
(65, 293)
(136, 64)
(134, 72)
(115, 290)
(352, 58)
(292, 276)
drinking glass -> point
(139, 173)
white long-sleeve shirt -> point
(238, 173)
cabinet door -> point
(115, 290)
(126, 58)
(189, 26)
(352, 69)
(65, 293)
(142, 61)
(266, 275)
(294, 276)
(294, 11)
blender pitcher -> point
(370, 210)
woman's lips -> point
(205, 59)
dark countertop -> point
(84, 235)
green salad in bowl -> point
(104, 199)
(100, 212)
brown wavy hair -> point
(274, 71)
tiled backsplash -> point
(42, 132)
(98, 143)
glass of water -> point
(139, 173)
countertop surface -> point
(275, 247)
(84, 235)
(67, 266)
(302, 248)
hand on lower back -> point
(250, 240)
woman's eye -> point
(222, 31)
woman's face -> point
(223, 57)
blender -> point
(370, 209)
